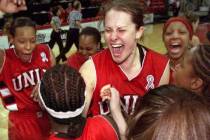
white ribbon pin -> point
(44, 57)
(150, 82)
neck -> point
(173, 62)
(59, 127)
(132, 65)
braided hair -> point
(62, 89)
(201, 66)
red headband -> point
(183, 20)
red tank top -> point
(108, 72)
(17, 79)
(96, 128)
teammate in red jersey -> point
(177, 35)
(62, 94)
(21, 68)
(89, 44)
(129, 67)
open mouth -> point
(26, 57)
(175, 47)
(117, 49)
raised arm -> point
(111, 94)
(88, 73)
(52, 58)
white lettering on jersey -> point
(128, 105)
(27, 79)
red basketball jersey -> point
(108, 72)
(76, 60)
(99, 128)
(17, 79)
(96, 128)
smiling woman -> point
(21, 68)
(125, 62)
(177, 33)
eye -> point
(107, 30)
(168, 33)
(33, 41)
(121, 30)
(182, 32)
(21, 41)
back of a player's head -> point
(62, 95)
(171, 113)
(21, 22)
(201, 66)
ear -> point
(139, 32)
(196, 83)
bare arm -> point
(2, 57)
(88, 73)
(78, 23)
(112, 95)
(166, 75)
(54, 27)
(52, 58)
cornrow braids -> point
(62, 90)
(201, 65)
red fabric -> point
(76, 60)
(107, 72)
(179, 19)
(18, 79)
(28, 126)
(99, 128)
(96, 128)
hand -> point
(12, 6)
(111, 94)
(34, 93)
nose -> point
(113, 35)
(28, 46)
(176, 34)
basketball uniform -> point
(131, 90)
(17, 80)
(76, 60)
(96, 128)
